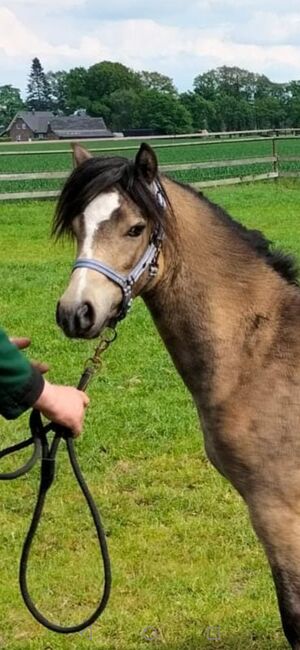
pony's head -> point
(115, 210)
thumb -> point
(85, 398)
(21, 342)
(42, 367)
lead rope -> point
(47, 453)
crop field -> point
(188, 573)
(13, 158)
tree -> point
(225, 98)
(76, 89)
(234, 113)
(124, 109)
(164, 112)
(244, 100)
(100, 109)
(234, 82)
(10, 104)
(263, 87)
(58, 87)
(293, 103)
(91, 89)
(207, 85)
(269, 113)
(202, 111)
(106, 77)
(148, 109)
(38, 89)
(156, 81)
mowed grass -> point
(187, 568)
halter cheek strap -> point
(148, 260)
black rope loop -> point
(8, 476)
(47, 453)
(47, 477)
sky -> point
(180, 38)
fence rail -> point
(274, 160)
(200, 135)
(164, 145)
(293, 174)
(20, 196)
(33, 176)
(214, 164)
(248, 178)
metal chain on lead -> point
(94, 364)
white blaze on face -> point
(98, 210)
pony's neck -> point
(219, 299)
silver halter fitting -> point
(148, 261)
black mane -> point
(97, 175)
(284, 263)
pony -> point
(227, 307)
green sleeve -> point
(20, 383)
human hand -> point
(23, 342)
(64, 405)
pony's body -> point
(232, 326)
(229, 314)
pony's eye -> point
(135, 231)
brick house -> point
(44, 125)
(29, 125)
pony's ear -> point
(80, 154)
(146, 163)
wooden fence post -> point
(275, 154)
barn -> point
(45, 125)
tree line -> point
(222, 99)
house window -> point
(41, 136)
(18, 138)
(24, 126)
(18, 125)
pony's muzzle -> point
(76, 320)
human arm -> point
(22, 386)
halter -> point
(148, 260)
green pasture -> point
(168, 152)
(188, 573)
(110, 143)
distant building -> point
(78, 126)
(44, 125)
(29, 125)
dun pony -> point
(228, 310)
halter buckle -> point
(153, 268)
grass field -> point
(185, 560)
(179, 153)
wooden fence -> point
(273, 160)
(200, 135)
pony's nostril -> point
(85, 316)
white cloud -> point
(139, 42)
(268, 27)
(16, 40)
(130, 40)
(149, 44)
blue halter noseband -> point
(148, 261)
